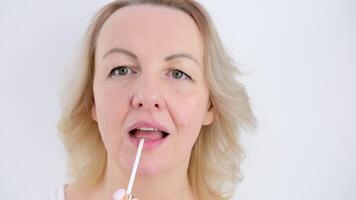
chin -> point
(149, 168)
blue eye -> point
(121, 71)
(178, 74)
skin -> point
(149, 88)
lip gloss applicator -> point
(128, 195)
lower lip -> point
(149, 144)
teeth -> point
(147, 129)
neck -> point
(171, 185)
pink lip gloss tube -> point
(128, 195)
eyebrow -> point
(168, 58)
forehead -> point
(150, 28)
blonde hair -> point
(215, 158)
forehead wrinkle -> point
(125, 22)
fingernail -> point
(119, 194)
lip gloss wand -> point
(128, 195)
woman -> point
(154, 69)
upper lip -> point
(145, 124)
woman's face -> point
(149, 82)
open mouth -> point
(148, 133)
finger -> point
(119, 194)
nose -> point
(148, 96)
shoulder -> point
(54, 194)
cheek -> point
(110, 105)
(111, 108)
(188, 113)
(188, 104)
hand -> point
(120, 194)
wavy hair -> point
(216, 155)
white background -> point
(300, 60)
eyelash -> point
(130, 69)
(120, 67)
(180, 71)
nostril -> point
(156, 105)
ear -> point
(209, 116)
(93, 112)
